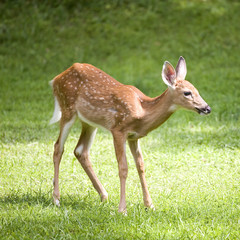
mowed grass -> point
(192, 162)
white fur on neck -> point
(173, 108)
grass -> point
(192, 162)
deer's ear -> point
(168, 74)
(181, 69)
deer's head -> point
(184, 94)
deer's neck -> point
(158, 110)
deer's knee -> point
(123, 171)
(83, 157)
(58, 151)
(140, 166)
(78, 151)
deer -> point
(98, 100)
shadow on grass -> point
(30, 199)
(45, 201)
(86, 203)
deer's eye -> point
(186, 94)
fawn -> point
(98, 100)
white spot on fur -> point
(112, 110)
(79, 149)
(173, 108)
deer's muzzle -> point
(204, 111)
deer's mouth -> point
(204, 111)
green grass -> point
(192, 162)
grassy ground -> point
(192, 162)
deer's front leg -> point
(137, 155)
(120, 150)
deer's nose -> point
(207, 109)
(204, 111)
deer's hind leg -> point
(82, 154)
(65, 127)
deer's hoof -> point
(151, 207)
(123, 212)
(56, 200)
(57, 203)
(104, 197)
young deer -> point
(98, 100)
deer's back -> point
(96, 96)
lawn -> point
(192, 162)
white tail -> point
(97, 99)
(57, 114)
